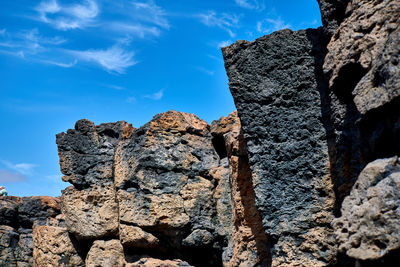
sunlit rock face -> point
(274, 84)
(160, 190)
(316, 107)
(304, 173)
(369, 226)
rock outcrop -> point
(277, 95)
(316, 106)
(304, 173)
(160, 190)
(17, 218)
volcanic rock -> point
(369, 226)
(275, 88)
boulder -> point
(368, 228)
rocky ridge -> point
(305, 173)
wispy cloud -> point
(22, 168)
(139, 30)
(115, 59)
(139, 18)
(116, 87)
(223, 21)
(150, 12)
(155, 96)
(224, 43)
(251, 4)
(2, 31)
(61, 64)
(204, 70)
(270, 25)
(29, 42)
(68, 17)
(10, 177)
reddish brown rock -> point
(17, 217)
(106, 254)
(91, 213)
(152, 262)
(363, 54)
(133, 236)
(249, 244)
(53, 245)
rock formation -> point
(160, 190)
(304, 173)
(17, 218)
(316, 106)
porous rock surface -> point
(277, 95)
(369, 226)
(17, 218)
(53, 245)
(160, 190)
(305, 173)
(366, 46)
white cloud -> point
(251, 4)
(156, 96)
(9, 177)
(116, 87)
(149, 12)
(223, 21)
(270, 25)
(67, 17)
(135, 29)
(114, 59)
(22, 168)
(61, 64)
(29, 42)
(224, 43)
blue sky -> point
(108, 60)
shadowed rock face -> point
(17, 217)
(332, 14)
(248, 244)
(363, 54)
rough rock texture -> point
(53, 245)
(166, 184)
(92, 212)
(277, 95)
(363, 54)
(161, 189)
(369, 226)
(248, 242)
(332, 14)
(315, 110)
(17, 217)
(87, 152)
(106, 254)
(280, 182)
(152, 262)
